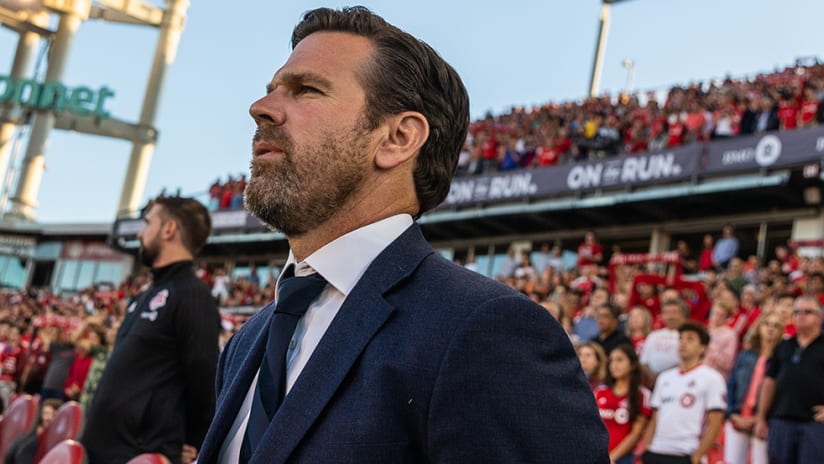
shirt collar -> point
(344, 260)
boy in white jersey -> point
(688, 404)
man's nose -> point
(268, 110)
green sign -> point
(81, 100)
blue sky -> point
(517, 52)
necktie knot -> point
(295, 294)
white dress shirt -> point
(342, 263)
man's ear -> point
(406, 134)
(168, 229)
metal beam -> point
(22, 21)
(127, 11)
(79, 8)
(109, 127)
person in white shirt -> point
(661, 346)
(688, 404)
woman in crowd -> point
(560, 314)
(623, 403)
(593, 362)
(639, 325)
(89, 341)
(721, 351)
(743, 389)
(748, 313)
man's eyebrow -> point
(291, 78)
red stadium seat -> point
(149, 458)
(66, 425)
(66, 452)
(18, 419)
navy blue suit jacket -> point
(425, 362)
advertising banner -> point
(611, 173)
(767, 151)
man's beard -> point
(309, 183)
(147, 253)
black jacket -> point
(157, 391)
(749, 121)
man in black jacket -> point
(760, 116)
(157, 391)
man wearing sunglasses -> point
(792, 395)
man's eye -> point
(303, 89)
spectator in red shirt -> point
(563, 144)
(546, 154)
(203, 273)
(590, 251)
(226, 195)
(623, 403)
(809, 109)
(675, 131)
(637, 138)
(79, 369)
(789, 261)
(644, 293)
(705, 260)
(696, 118)
(788, 112)
(747, 314)
(489, 148)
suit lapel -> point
(251, 349)
(360, 317)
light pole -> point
(629, 65)
(601, 46)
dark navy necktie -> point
(295, 294)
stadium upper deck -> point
(746, 151)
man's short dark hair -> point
(613, 309)
(784, 295)
(191, 216)
(698, 329)
(405, 74)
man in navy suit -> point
(403, 356)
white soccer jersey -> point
(682, 400)
(661, 350)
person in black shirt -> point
(792, 393)
(609, 336)
(156, 393)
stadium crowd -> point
(227, 195)
(595, 128)
(558, 133)
(57, 345)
